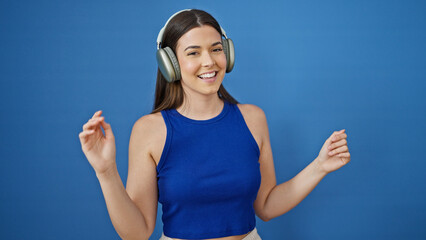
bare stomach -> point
(236, 237)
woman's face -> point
(202, 60)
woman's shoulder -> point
(251, 112)
(149, 124)
(149, 134)
(256, 122)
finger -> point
(84, 134)
(344, 154)
(98, 113)
(88, 125)
(92, 123)
(345, 160)
(338, 137)
(338, 150)
(88, 121)
(331, 137)
(96, 118)
(107, 129)
(337, 144)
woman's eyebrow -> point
(193, 46)
(216, 43)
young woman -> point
(203, 156)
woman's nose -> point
(207, 60)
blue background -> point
(313, 66)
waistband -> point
(253, 235)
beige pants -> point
(253, 235)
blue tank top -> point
(208, 175)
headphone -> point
(168, 62)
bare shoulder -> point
(149, 123)
(149, 133)
(255, 119)
(251, 112)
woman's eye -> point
(217, 50)
(192, 53)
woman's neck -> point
(201, 108)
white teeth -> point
(207, 75)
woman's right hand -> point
(99, 149)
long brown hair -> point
(171, 95)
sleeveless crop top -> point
(208, 175)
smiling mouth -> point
(208, 75)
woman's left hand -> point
(334, 153)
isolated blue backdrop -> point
(313, 66)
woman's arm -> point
(333, 155)
(287, 195)
(126, 217)
(274, 200)
(130, 219)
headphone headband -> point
(161, 33)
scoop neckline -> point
(211, 120)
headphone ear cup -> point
(228, 48)
(168, 64)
